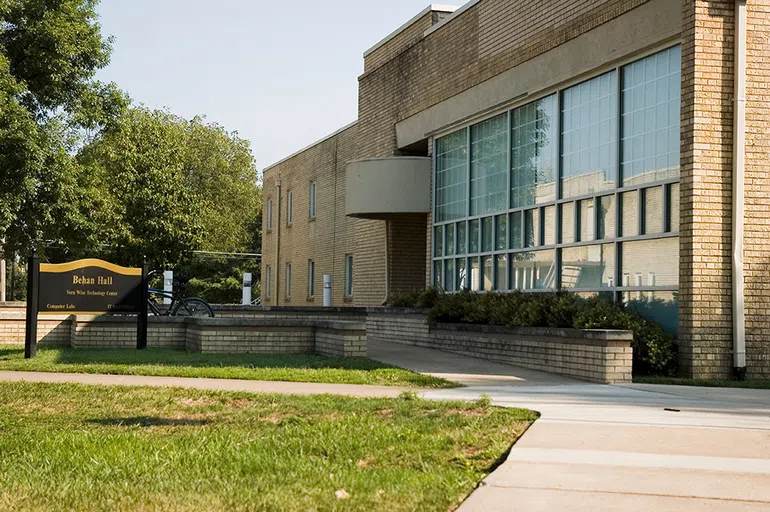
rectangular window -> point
(452, 176)
(311, 278)
(587, 221)
(567, 223)
(501, 272)
(486, 273)
(653, 210)
(438, 241)
(289, 205)
(268, 278)
(349, 275)
(312, 199)
(673, 208)
(533, 141)
(650, 118)
(449, 239)
(462, 242)
(533, 270)
(449, 275)
(515, 235)
(489, 162)
(588, 266)
(606, 217)
(269, 214)
(487, 235)
(589, 136)
(656, 260)
(288, 280)
(462, 276)
(549, 225)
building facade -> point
(607, 147)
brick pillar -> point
(705, 319)
(757, 190)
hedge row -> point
(654, 349)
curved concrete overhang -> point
(378, 188)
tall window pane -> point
(449, 240)
(489, 162)
(452, 176)
(462, 241)
(656, 261)
(589, 136)
(650, 118)
(349, 275)
(438, 241)
(312, 200)
(533, 137)
(487, 235)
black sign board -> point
(90, 287)
(86, 287)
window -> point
(289, 204)
(589, 136)
(269, 214)
(452, 176)
(533, 142)
(268, 278)
(349, 275)
(288, 280)
(312, 199)
(310, 278)
(575, 190)
(650, 121)
(489, 162)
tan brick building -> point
(617, 147)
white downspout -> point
(277, 238)
(739, 152)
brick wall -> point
(596, 356)
(327, 239)
(51, 330)
(341, 342)
(397, 44)
(757, 190)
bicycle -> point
(180, 306)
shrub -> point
(654, 349)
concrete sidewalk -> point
(608, 448)
(251, 386)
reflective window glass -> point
(489, 165)
(549, 225)
(567, 223)
(475, 274)
(473, 236)
(532, 228)
(588, 266)
(462, 275)
(630, 204)
(650, 118)
(462, 239)
(657, 261)
(589, 136)
(534, 270)
(487, 235)
(653, 210)
(501, 228)
(501, 275)
(660, 307)
(438, 241)
(515, 231)
(452, 176)
(606, 220)
(673, 208)
(533, 138)
(449, 239)
(486, 275)
(587, 220)
(449, 275)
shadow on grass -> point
(148, 421)
(179, 358)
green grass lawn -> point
(748, 384)
(76, 447)
(175, 363)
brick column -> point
(705, 319)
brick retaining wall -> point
(594, 355)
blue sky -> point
(281, 73)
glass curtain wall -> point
(577, 190)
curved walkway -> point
(607, 448)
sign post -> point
(33, 291)
(141, 326)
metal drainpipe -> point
(739, 152)
(387, 263)
(277, 237)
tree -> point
(50, 102)
(164, 187)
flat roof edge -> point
(311, 146)
(449, 18)
(430, 8)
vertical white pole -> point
(327, 291)
(246, 289)
(168, 284)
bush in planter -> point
(654, 349)
(422, 299)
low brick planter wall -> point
(286, 332)
(603, 356)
